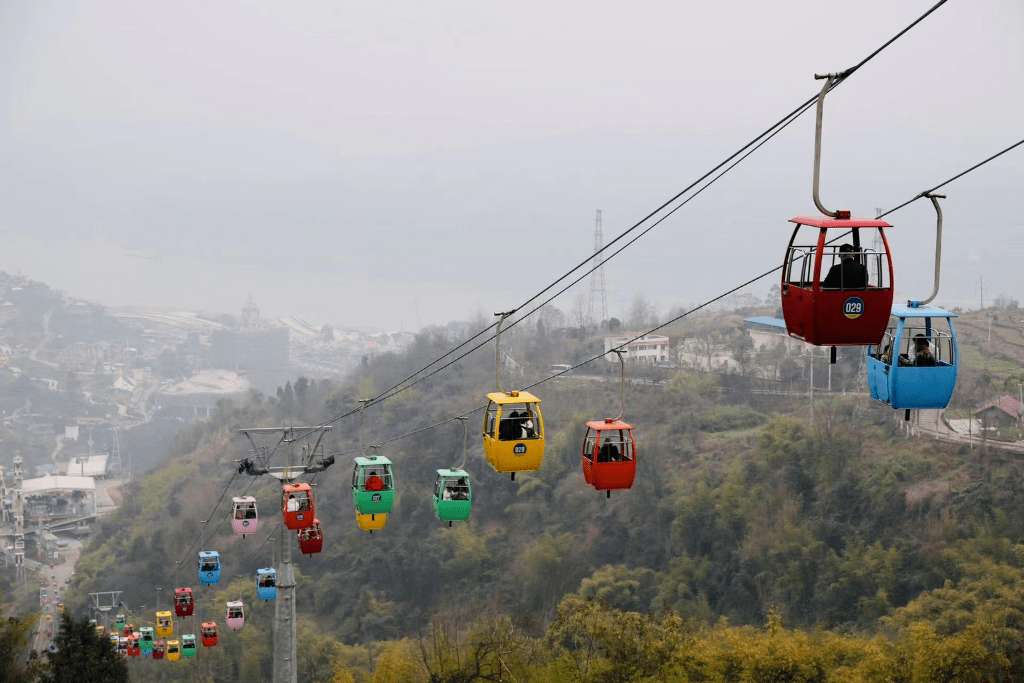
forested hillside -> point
(756, 541)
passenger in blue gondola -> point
(849, 273)
(266, 580)
(923, 357)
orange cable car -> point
(208, 634)
(609, 450)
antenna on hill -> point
(598, 305)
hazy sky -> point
(355, 162)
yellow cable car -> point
(513, 426)
(173, 650)
(164, 625)
(514, 432)
(372, 522)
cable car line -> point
(679, 317)
(205, 523)
(742, 153)
(265, 541)
(958, 175)
(655, 329)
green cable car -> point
(188, 645)
(453, 496)
(119, 623)
(373, 486)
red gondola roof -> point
(826, 222)
(599, 425)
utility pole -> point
(311, 461)
(598, 304)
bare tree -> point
(579, 313)
(642, 313)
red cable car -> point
(184, 605)
(209, 633)
(158, 649)
(133, 646)
(837, 295)
(849, 303)
(609, 451)
(311, 540)
(297, 506)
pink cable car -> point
(244, 518)
(235, 615)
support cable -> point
(680, 317)
(741, 153)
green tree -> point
(594, 643)
(84, 656)
(620, 587)
(14, 637)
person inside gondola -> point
(923, 357)
(509, 428)
(373, 482)
(849, 273)
(609, 451)
(525, 426)
(461, 490)
(266, 580)
(293, 503)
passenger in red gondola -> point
(609, 451)
(849, 273)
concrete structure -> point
(650, 348)
(198, 395)
(765, 338)
(88, 466)
(253, 349)
(58, 498)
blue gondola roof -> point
(769, 322)
(921, 312)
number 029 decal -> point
(853, 307)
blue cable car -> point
(915, 365)
(266, 583)
(209, 566)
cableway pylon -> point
(311, 461)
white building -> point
(650, 348)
